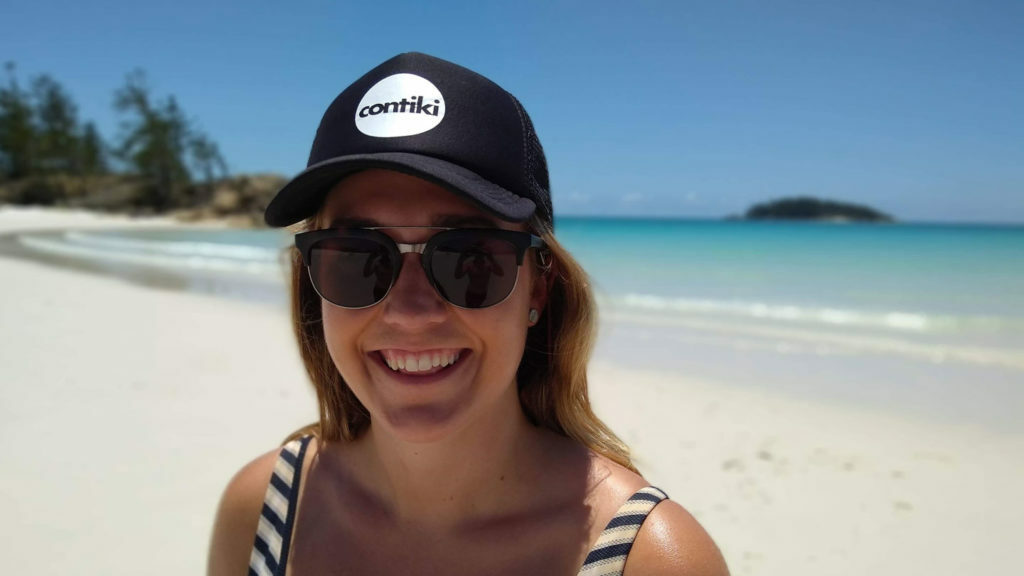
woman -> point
(447, 335)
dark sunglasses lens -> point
(474, 271)
(351, 272)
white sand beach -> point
(125, 409)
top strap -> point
(608, 555)
(274, 532)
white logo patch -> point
(400, 105)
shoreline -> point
(927, 386)
(908, 375)
(121, 400)
(49, 223)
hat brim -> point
(302, 196)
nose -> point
(412, 302)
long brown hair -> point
(552, 375)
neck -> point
(472, 473)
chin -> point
(421, 424)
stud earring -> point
(534, 315)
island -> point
(808, 208)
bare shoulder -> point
(671, 541)
(238, 515)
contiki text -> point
(414, 105)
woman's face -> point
(415, 326)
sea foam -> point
(187, 255)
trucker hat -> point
(433, 119)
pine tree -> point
(17, 134)
(153, 142)
(206, 158)
(56, 118)
(159, 142)
(92, 152)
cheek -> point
(503, 330)
(340, 330)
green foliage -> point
(17, 134)
(56, 133)
(206, 158)
(152, 142)
(806, 208)
(159, 143)
(48, 157)
(92, 152)
(40, 136)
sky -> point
(669, 109)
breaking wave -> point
(189, 255)
(892, 320)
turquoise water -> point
(919, 318)
(959, 282)
(928, 269)
(929, 278)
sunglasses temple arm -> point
(542, 252)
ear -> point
(544, 274)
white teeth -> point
(419, 362)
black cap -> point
(433, 119)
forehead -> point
(387, 198)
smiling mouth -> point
(421, 363)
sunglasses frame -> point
(522, 241)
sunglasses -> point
(469, 267)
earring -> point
(534, 315)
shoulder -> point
(671, 541)
(238, 515)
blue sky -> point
(644, 108)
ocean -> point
(882, 306)
(916, 278)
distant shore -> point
(815, 209)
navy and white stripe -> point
(608, 555)
(273, 533)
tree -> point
(92, 152)
(153, 141)
(160, 144)
(56, 117)
(807, 208)
(206, 158)
(17, 135)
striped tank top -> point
(269, 555)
